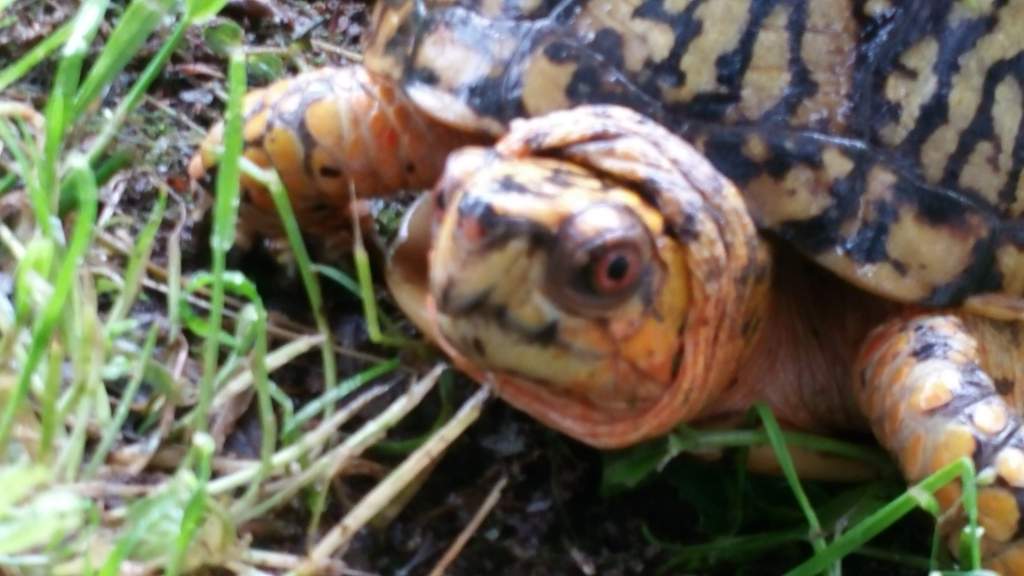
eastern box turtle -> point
(606, 264)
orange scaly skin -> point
(325, 131)
(924, 387)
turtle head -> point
(577, 269)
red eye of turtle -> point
(616, 270)
(601, 257)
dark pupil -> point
(618, 268)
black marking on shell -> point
(884, 37)
(731, 68)
(868, 244)
(956, 40)
(686, 28)
(981, 127)
(979, 276)
(801, 85)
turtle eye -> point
(616, 270)
(601, 258)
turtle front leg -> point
(923, 384)
(328, 133)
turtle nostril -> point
(471, 229)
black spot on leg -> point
(331, 172)
(929, 344)
(1004, 386)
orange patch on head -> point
(255, 125)
(287, 154)
(325, 123)
(654, 348)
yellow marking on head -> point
(967, 89)
(643, 40)
(911, 90)
(724, 22)
(654, 343)
(1010, 466)
(998, 513)
(828, 49)
(768, 75)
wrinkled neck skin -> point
(801, 362)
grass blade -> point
(81, 236)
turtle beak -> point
(407, 272)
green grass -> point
(848, 524)
(95, 341)
(95, 351)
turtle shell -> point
(880, 138)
